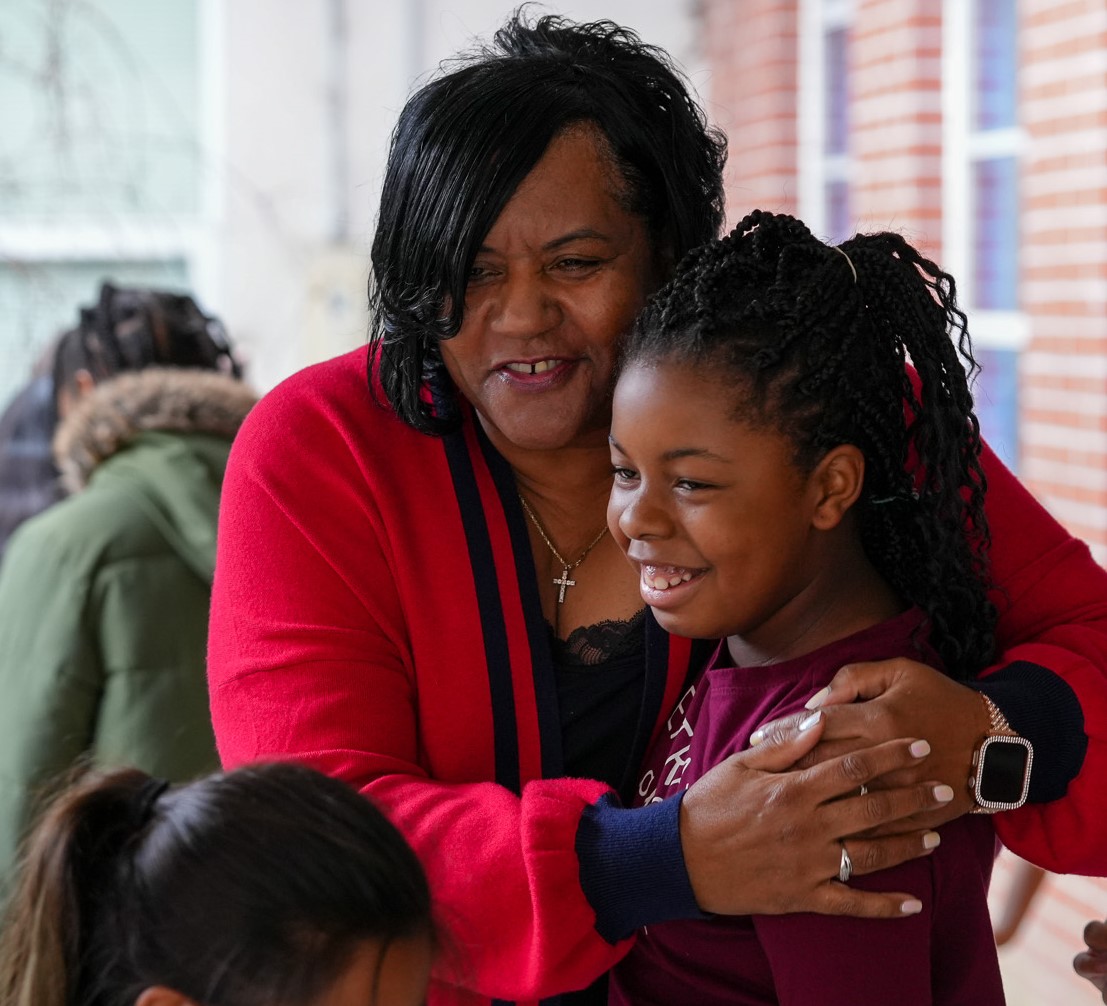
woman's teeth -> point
(659, 580)
(532, 368)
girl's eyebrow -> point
(700, 453)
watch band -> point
(996, 718)
(999, 728)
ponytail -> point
(245, 889)
(69, 865)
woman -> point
(415, 593)
(104, 597)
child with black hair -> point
(785, 482)
(272, 884)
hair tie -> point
(144, 799)
(849, 261)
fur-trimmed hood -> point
(168, 399)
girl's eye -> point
(623, 474)
(691, 484)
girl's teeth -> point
(663, 581)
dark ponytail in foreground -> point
(253, 888)
(817, 341)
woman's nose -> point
(523, 306)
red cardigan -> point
(375, 614)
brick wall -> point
(751, 50)
(1063, 373)
(896, 119)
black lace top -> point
(601, 671)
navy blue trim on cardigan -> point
(547, 706)
(497, 655)
(1042, 707)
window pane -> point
(995, 59)
(836, 91)
(837, 212)
(995, 234)
(996, 395)
(100, 109)
(38, 300)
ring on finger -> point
(845, 865)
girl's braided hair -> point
(817, 340)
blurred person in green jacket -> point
(104, 596)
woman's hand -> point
(1092, 963)
(902, 698)
(758, 838)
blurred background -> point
(234, 148)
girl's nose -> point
(640, 518)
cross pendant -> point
(564, 582)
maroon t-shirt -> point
(944, 956)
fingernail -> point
(757, 736)
(817, 699)
(811, 720)
(920, 749)
(931, 840)
(943, 793)
(911, 907)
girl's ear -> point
(837, 481)
(161, 995)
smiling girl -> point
(772, 490)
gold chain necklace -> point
(563, 582)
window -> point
(101, 159)
(824, 125)
(981, 197)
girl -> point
(269, 885)
(760, 444)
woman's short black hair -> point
(466, 140)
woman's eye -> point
(623, 474)
(576, 264)
(691, 484)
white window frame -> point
(962, 147)
(817, 169)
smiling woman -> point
(386, 609)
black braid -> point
(822, 357)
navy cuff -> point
(1043, 708)
(631, 866)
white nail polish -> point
(919, 749)
(943, 793)
(931, 840)
(811, 720)
(911, 907)
(817, 699)
(757, 737)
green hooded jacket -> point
(104, 596)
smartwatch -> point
(1001, 766)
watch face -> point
(1003, 777)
